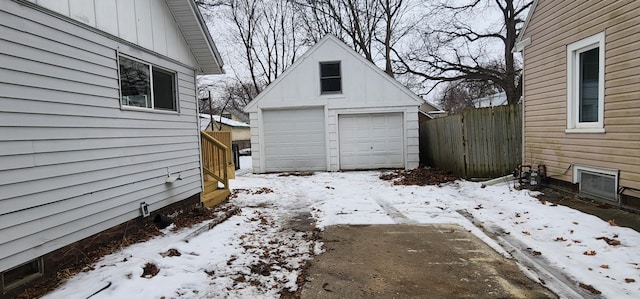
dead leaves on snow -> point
(612, 242)
(589, 252)
(590, 288)
(149, 270)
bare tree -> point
(363, 24)
(267, 33)
(454, 49)
(460, 95)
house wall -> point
(146, 23)
(553, 26)
(72, 162)
(364, 90)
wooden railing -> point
(215, 159)
(223, 137)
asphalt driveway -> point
(413, 261)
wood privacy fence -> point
(480, 143)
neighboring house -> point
(582, 95)
(235, 115)
(240, 132)
(427, 111)
(496, 99)
(333, 110)
(97, 108)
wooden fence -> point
(480, 143)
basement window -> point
(146, 86)
(597, 183)
(24, 273)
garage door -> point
(294, 140)
(371, 141)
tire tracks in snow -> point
(394, 213)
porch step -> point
(212, 196)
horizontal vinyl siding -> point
(553, 26)
(72, 163)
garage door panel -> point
(370, 141)
(294, 140)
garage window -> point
(146, 86)
(330, 79)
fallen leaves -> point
(149, 270)
(629, 280)
(419, 176)
(526, 233)
(589, 252)
(590, 289)
(612, 222)
(612, 242)
(560, 239)
(604, 266)
(171, 252)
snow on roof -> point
(205, 119)
(496, 99)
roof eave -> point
(197, 35)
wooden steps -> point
(212, 196)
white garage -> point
(369, 141)
(333, 110)
(294, 140)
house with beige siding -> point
(99, 123)
(582, 96)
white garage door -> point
(371, 141)
(294, 140)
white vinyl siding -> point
(371, 141)
(72, 163)
(294, 140)
(364, 90)
(146, 23)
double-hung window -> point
(585, 85)
(146, 86)
(330, 78)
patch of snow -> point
(256, 254)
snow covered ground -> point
(257, 255)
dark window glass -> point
(135, 83)
(588, 88)
(330, 78)
(163, 90)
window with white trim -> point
(330, 77)
(585, 85)
(146, 86)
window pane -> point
(330, 85)
(163, 90)
(598, 184)
(135, 83)
(589, 86)
(331, 69)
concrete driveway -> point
(413, 261)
